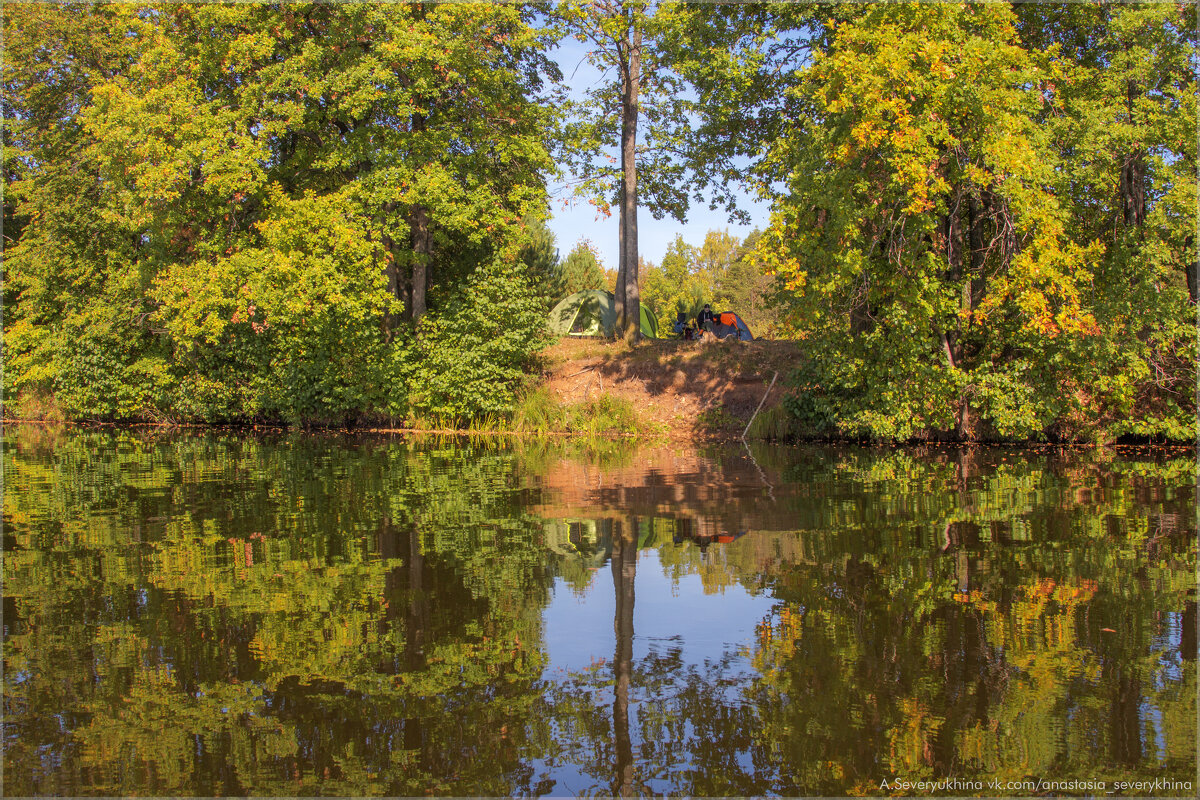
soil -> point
(680, 389)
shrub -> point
(472, 357)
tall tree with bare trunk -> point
(637, 86)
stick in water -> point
(760, 405)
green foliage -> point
(778, 423)
(718, 418)
(472, 357)
(581, 270)
(721, 271)
(945, 239)
(674, 286)
(214, 205)
(542, 267)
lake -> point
(299, 614)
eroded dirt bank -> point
(680, 389)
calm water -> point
(312, 615)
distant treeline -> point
(983, 222)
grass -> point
(775, 423)
(717, 418)
(540, 413)
(604, 415)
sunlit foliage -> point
(247, 211)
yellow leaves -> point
(1044, 284)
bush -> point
(472, 357)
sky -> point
(575, 218)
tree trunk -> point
(1133, 189)
(1189, 270)
(391, 271)
(1133, 174)
(619, 289)
(951, 339)
(977, 240)
(628, 299)
(418, 610)
(422, 245)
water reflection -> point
(308, 615)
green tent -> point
(593, 312)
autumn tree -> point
(258, 206)
(963, 197)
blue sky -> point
(574, 218)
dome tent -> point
(593, 312)
(729, 325)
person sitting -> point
(704, 320)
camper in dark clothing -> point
(704, 320)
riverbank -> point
(679, 390)
(657, 389)
(663, 389)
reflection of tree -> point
(624, 572)
(272, 629)
(208, 615)
(997, 629)
(1035, 670)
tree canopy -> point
(241, 211)
(982, 214)
(969, 203)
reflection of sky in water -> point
(1168, 646)
(670, 615)
(667, 614)
(1169, 671)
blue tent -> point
(728, 324)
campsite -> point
(310, 252)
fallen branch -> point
(760, 405)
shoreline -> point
(636, 437)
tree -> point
(675, 287)
(541, 259)
(1127, 175)
(749, 290)
(721, 271)
(905, 232)
(623, 37)
(264, 202)
(963, 248)
(581, 270)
